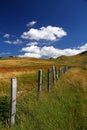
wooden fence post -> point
(60, 72)
(63, 70)
(48, 87)
(66, 68)
(53, 68)
(56, 73)
(13, 100)
(39, 81)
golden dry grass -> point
(24, 62)
(77, 60)
(78, 78)
(63, 108)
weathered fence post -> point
(66, 68)
(13, 100)
(53, 68)
(56, 73)
(39, 81)
(62, 69)
(48, 86)
(60, 72)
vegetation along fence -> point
(46, 79)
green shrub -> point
(4, 109)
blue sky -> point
(43, 28)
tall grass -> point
(64, 108)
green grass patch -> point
(64, 108)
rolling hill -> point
(76, 60)
(64, 108)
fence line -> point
(51, 76)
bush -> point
(4, 109)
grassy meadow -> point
(64, 108)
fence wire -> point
(25, 84)
(28, 82)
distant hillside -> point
(12, 61)
(83, 53)
(76, 60)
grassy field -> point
(64, 108)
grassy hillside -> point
(79, 60)
(23, 62)
(64, 108)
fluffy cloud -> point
(8, 41)
(48, 33)
(83, 47)
(31, 55)
(6, 35)
(17, 41)
(32, 51)
(32, 23)
(32, 43)
(50, 51)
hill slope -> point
(77, 60)
(64, 108)
(83, 53)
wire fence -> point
(10, 88)
(48, 78)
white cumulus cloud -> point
(6, 35)
(8, 41)
(31, 49)
(84, 47)
(48, 33)
(50, 51)
(32, 23)
(17, 41)
(32, 43)
(35, 55)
